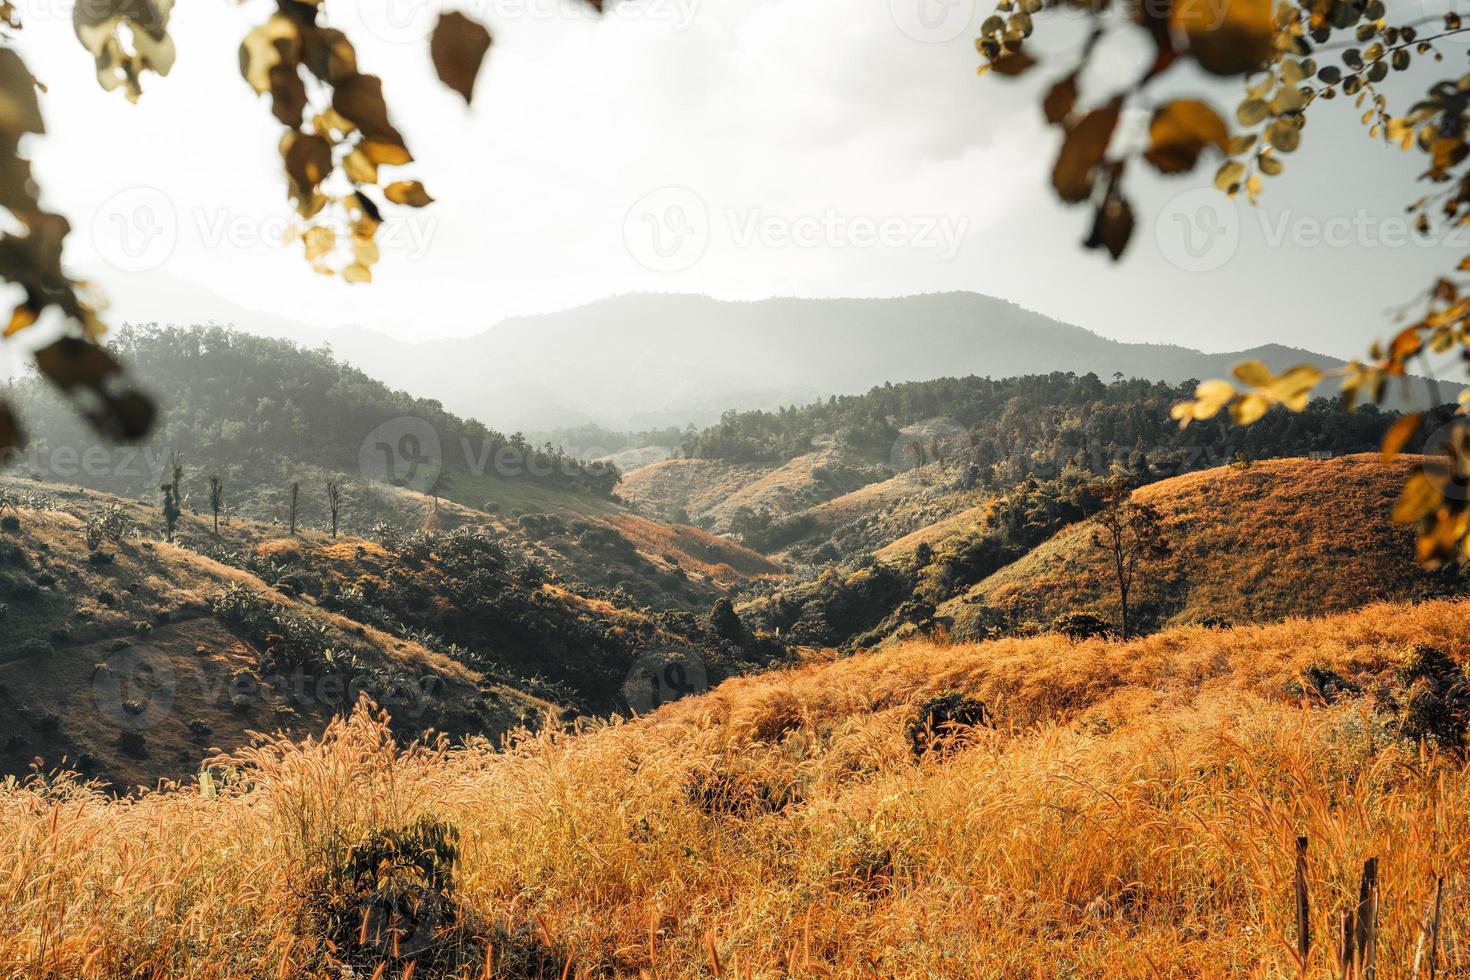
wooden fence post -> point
(1366, 935)
(1434, 927)
(1303, 905)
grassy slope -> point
(681, 567)
(1133, 814)
(697, 485)
(1284, 537)
(146, 616)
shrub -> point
(1319, 682)
(721, 792)
(132, 742)
(390, 895)
(1081, 626)
(34, 647)
(10, 523)
(1435, 703)
(200, 729)
(945, 721)
(99, 558)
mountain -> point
(648, 360)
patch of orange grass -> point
(1286, 536)
(283, 549)
(721, 559)
(1134, 813)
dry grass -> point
(689, 547)
(1133, 814)
(697, 485)
(1284, 537)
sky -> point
(736, 148)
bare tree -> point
(334, 503)
(295, 505)
(173, 504)
(1131, 534)
(216, 498)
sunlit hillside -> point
(1114, 810)
(1280, 537)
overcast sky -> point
(739, 148)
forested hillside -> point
(263, 412)
(1037, 423)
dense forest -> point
(1036, 425)
(262, 410)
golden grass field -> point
(1286, 536)
(1132, 813)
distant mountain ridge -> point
(647, 360)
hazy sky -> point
(740, 148)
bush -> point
(133, 743)
(1081, 626)
(1435, 703)
(34, 647)
(10, 523)
(390, 895)
(945, 721)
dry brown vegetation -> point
(86, 642)
(687, 547)
(1282, 537)
(1132, 813)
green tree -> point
(1130, 534)
(725, 621)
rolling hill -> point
(132, 656)
(1287, 537)
(266, 414)
(133, 660)
(1104, 809)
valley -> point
(836, 632)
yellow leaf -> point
(1399, 434)
(1180, 131)
(357, 273)
(1248, 409)
(384, 153)
(1253, 373)
(360, 167)
(1232, 38)
(1419, 499)
(408, 192)
(1294, 388)
(22, 317)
